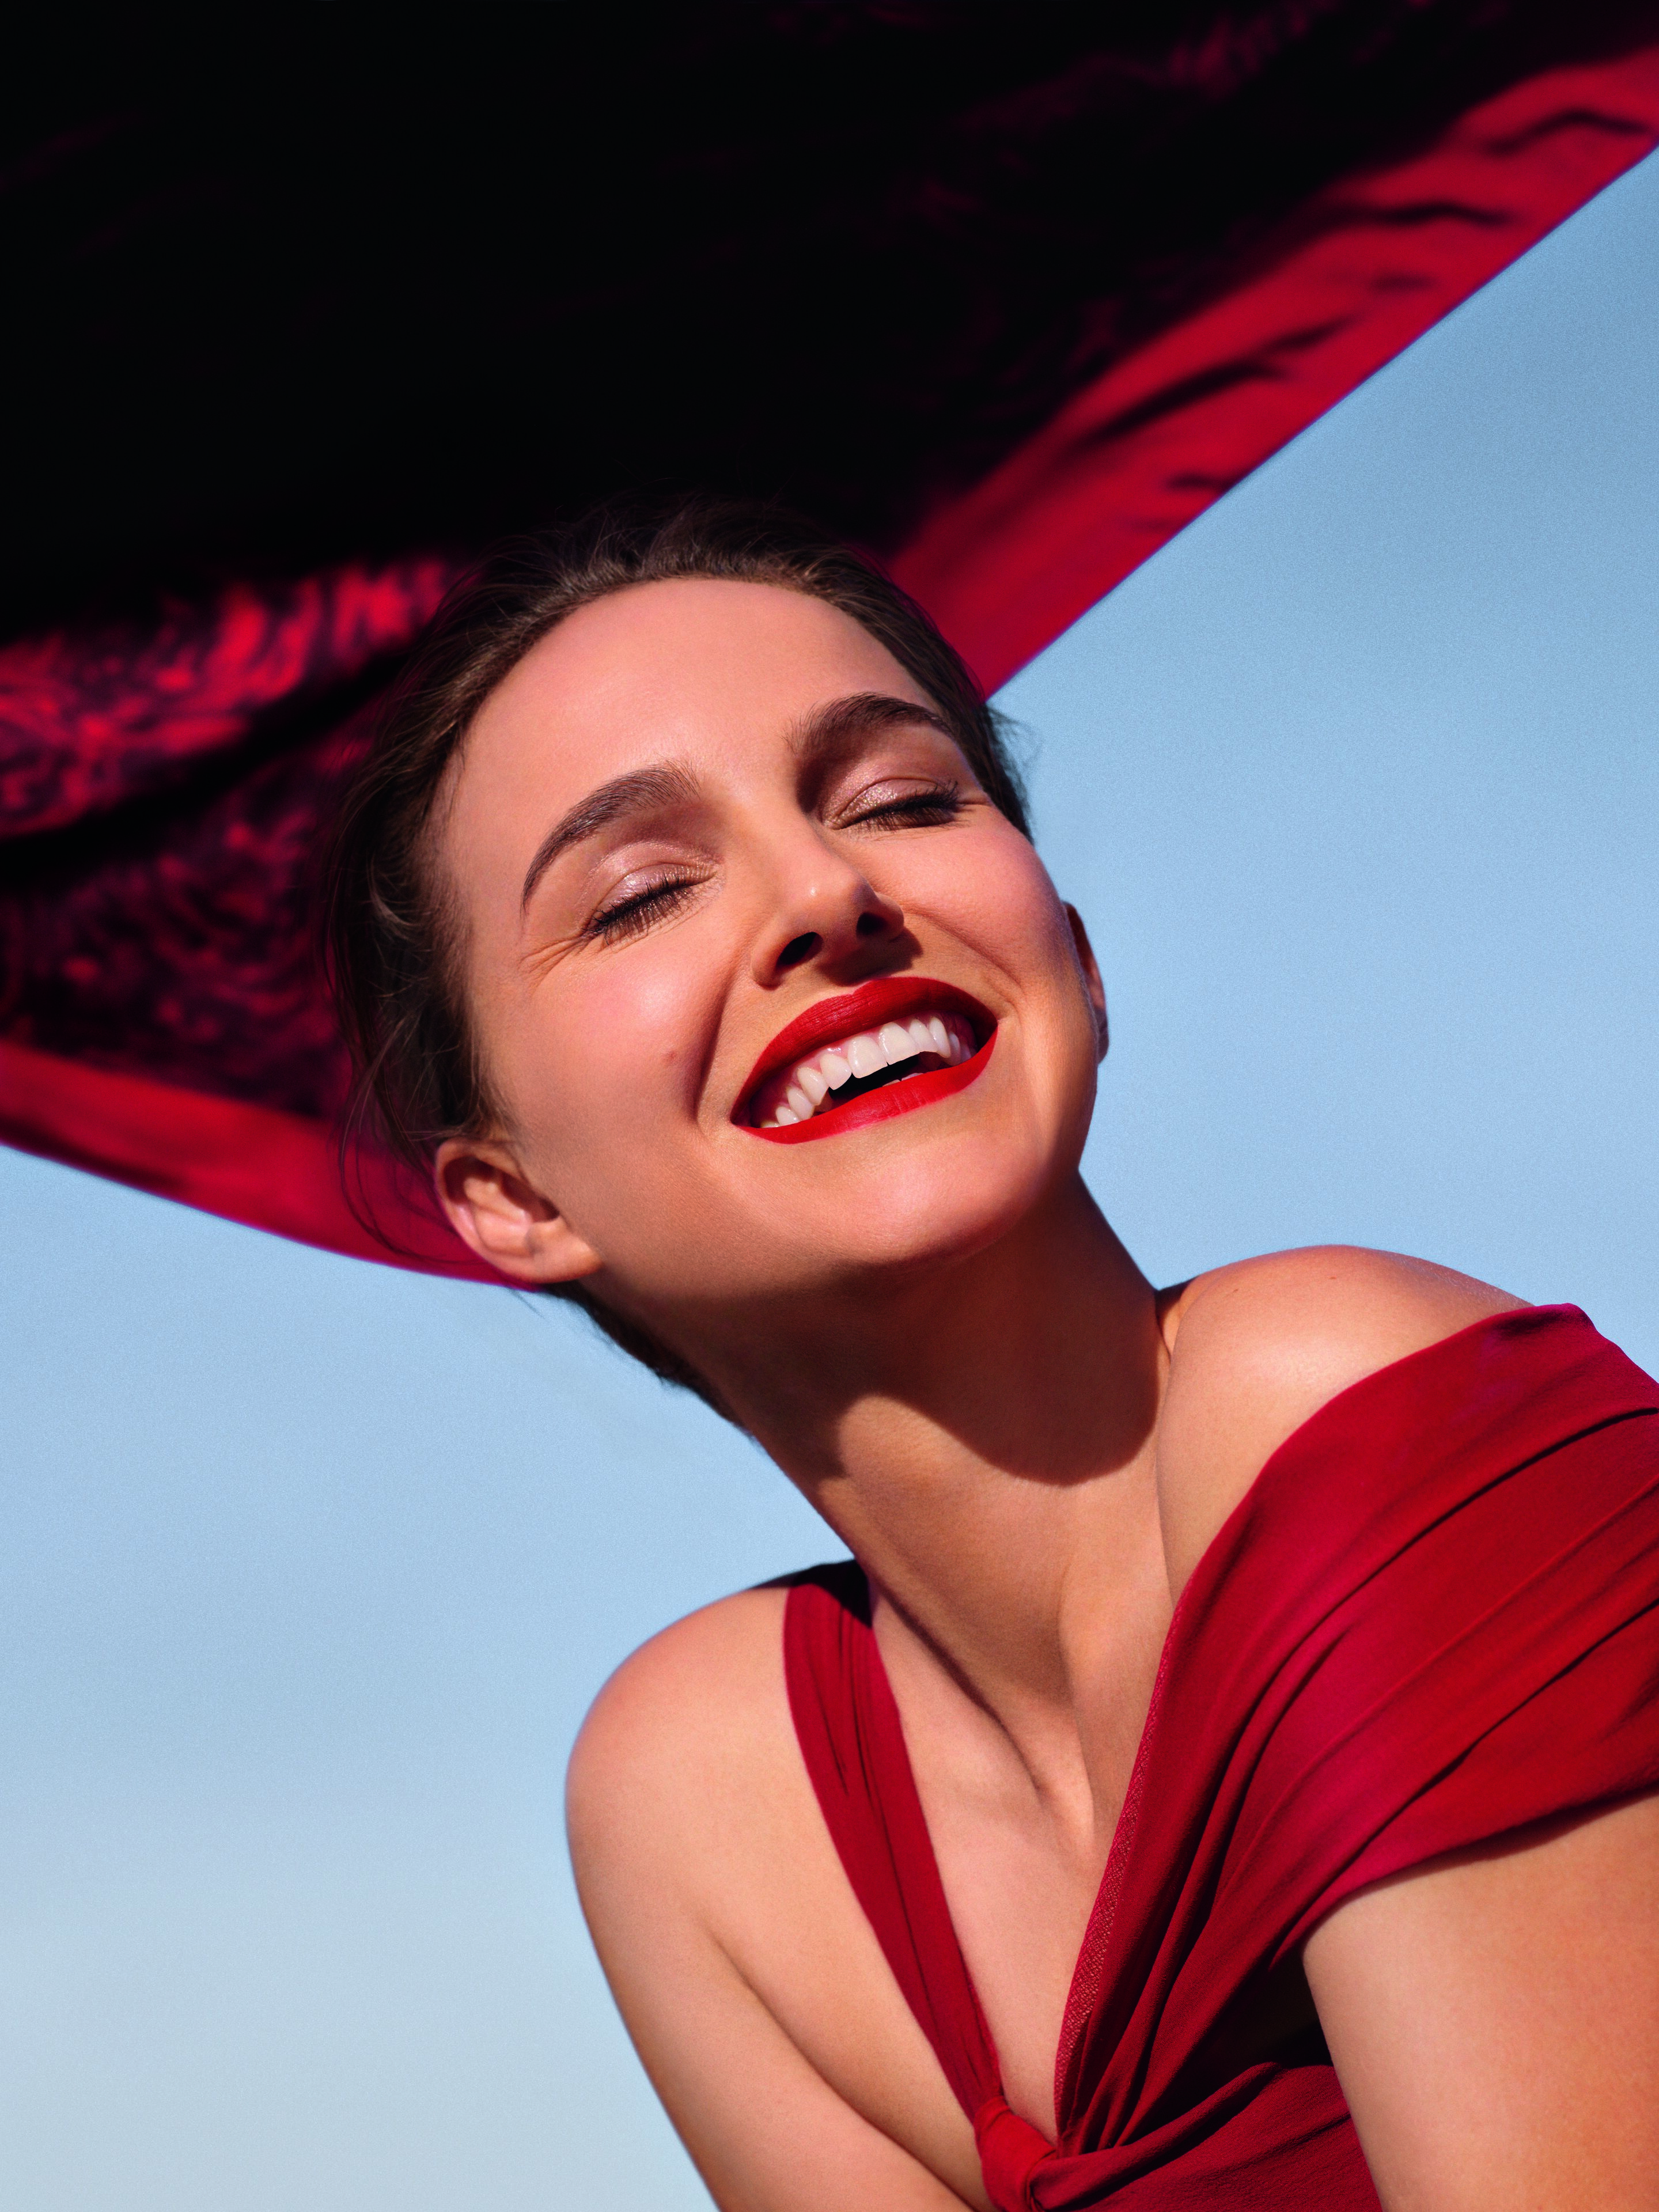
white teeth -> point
(811, 1082)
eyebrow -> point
(836, 727)
(642, 790)
(815, 740)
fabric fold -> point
(1431, 1623)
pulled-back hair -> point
(391, 938)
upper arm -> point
(1259, 1346)
(749, 1979)
(1494, 2022)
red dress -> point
(1433, 1619)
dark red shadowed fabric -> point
(162, 786)
(1362, 269)
(1102, 264)
(1433, 1621)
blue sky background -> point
(309, 1569)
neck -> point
(979, 1434)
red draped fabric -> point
(1365, 267)
(1433, 1620)
(165, 765)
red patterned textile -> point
(264, 700)
(1433, 1620)
(1098, 284)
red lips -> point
(887, 1000)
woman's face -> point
(771, 997)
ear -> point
(491, 1208)
(1092, 983)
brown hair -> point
(390, 941)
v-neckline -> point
(1083, 1992)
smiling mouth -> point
(884, 1050)
(869, 1061)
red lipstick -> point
(889, 999)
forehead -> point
(701, 671)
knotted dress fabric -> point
(1431, 1622)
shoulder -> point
(1256, 1349)
(695, 1717)
(752, 1985)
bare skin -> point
(930, 1326)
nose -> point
(826, 910)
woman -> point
(1226, 1776)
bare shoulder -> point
(1257, 1348)
(752, 1984)
(696, 1718)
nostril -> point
(871, 924)
(800, 949)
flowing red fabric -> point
(1303, 199)
(1433, 1620)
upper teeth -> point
(797, 1093)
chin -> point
(902, 1208)
(774, 1225)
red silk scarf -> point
(163, 773)
(1433, 1620)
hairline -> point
(447, 908)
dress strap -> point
(850, 1737)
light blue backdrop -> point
(309, 1569)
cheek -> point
(602, 1065)
(1003, 906)
(1008, 910)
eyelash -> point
(632, 917)
(941, 804)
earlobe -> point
(503, 1218)
(1093, 984)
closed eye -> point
(632, 916)
(915, 810)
